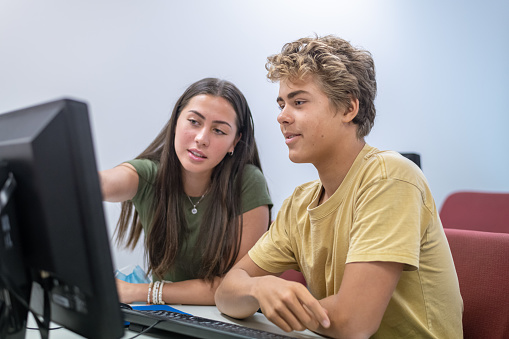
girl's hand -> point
(129, 293)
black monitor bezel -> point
(72, 265)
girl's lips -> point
(196, 155)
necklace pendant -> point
(194, 210)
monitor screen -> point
(58, 203)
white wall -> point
(442, 74)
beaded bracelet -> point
(160, 299)
(149, 289)
(155, 292)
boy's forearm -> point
(356, 311)
(340, 325)
(233, 296)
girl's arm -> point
(254, 226)
(119, 183)
(198, 291)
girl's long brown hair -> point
(220, 237)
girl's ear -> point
(235, 142)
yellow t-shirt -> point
(382, 211)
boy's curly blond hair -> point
(343, 72)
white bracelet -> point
(160, 300)
(149, 289)
(154, 293)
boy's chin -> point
(295, 158)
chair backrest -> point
(482, 264)
(477, 211)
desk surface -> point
(258, 321)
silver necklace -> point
(194, 210)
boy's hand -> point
(289, 304)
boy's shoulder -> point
(304, 193)
(391, 163)
(374, 155)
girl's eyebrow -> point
(214, 121)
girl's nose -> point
(202, 138)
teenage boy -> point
(366, 236)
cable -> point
(50, 329)
(11, 289)
(146, 330)
(12, 313)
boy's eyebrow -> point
(293, 94)
(214, 121)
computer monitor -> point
(65, 247)
(14, 281)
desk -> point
(257, 321)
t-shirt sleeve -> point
(255, 192)
(147, 172)
(390, 221)
(273, 251)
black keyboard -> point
(191, 326)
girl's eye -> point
(218, 131)
(192, 121)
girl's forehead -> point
(211, 104)
(212, 108)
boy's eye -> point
(280, 106)
(299, 102)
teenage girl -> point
(197, 193)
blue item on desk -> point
(157, 308)
(137, 276)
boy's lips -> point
(289, 137)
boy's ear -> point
(351, 112)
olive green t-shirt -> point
(254, 194)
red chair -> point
(477, 211)
(482, 265)
(293, 275)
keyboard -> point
(191, 326)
